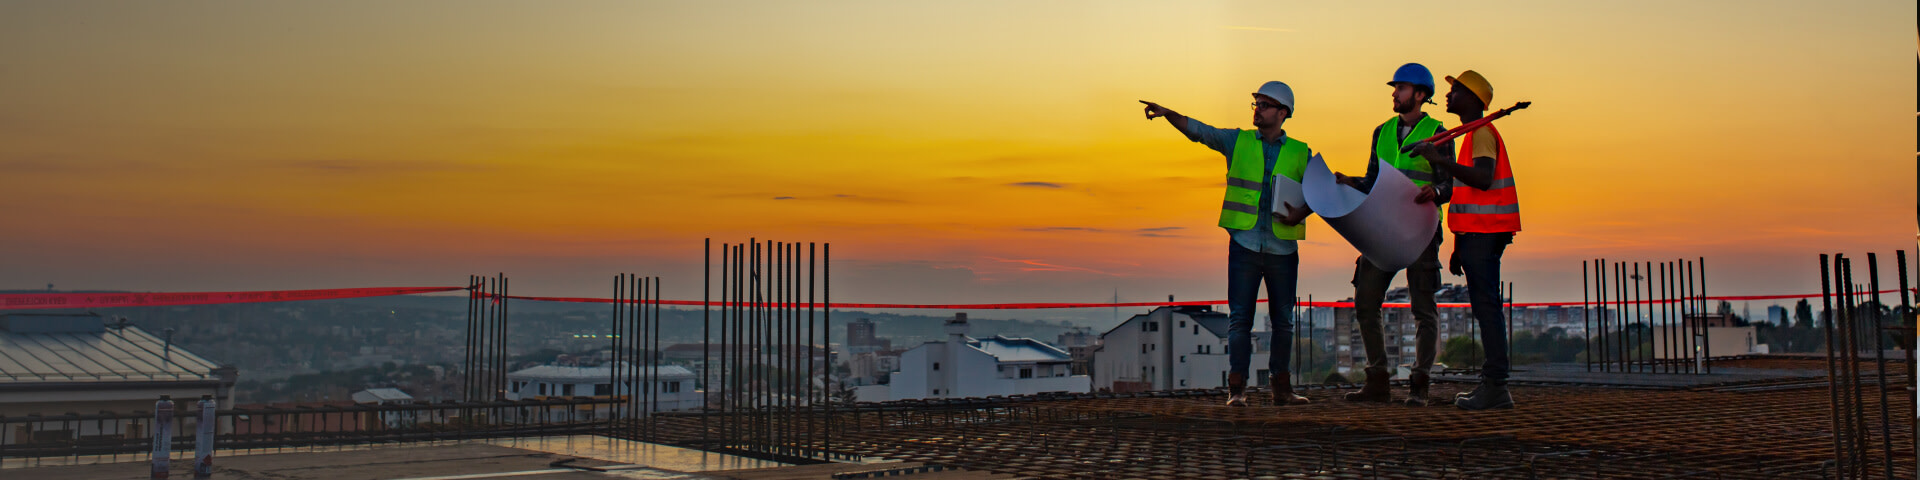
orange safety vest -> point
(1496, 210)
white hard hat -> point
(1279, 92)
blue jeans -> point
(1245, 269)
(1479, 254)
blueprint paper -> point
(1386, 226)
(1287, 191)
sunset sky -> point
(952, 152)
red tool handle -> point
(1463, 129)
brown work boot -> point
(1417, 389)
(1374, 391)
(1236, 389)
(1283, 391)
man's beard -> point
(1404, 107)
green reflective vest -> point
(1387, 147)
(1247, 174)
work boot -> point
(1417, 389)
(1236, 389)
(1374, 391)
(1489, 395)
(1283, 391)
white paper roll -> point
(1386, 226)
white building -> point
(54, 363)
(963, 367)
(1172, 348)
(389, 396)
(674, 388)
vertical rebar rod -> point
(1906, 306)
(796, 389)
(1586, 314)
(749, 391)
(613, 344)
(717, 383)
(1630, 281)
(1604, 316)
(492, 333)
(811, 342)
(646, 371)
(1880, 361)
(655, 355)
(1698, 312)
(1663, 321)
(777, 338)
(466, 377)
(1843, 321)
(1833, 374)
(706, 334)
(739, 320)
(1620, 325)
(1853, 371)
(1674, 325)
(1706, 341)
(1674, 316)
(826, 312)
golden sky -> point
(950, 151)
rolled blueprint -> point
(1386, 226)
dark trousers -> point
(1479, 255)
(1370, 285)
(1245, 269)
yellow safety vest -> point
(1387, 147)
(1247, 175)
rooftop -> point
(601, 372)
(91, 354)
(1020, 350)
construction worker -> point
(1263, 240)
(1412, 88)
(1484, 215)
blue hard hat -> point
(1416, 74)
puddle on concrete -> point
(634, 453)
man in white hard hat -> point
(1263, 239)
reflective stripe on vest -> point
(1246, 178)
(1495, 210)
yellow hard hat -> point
(1476, 84)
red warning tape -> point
(25, 301)
(1028, 306)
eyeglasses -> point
(1260, 105)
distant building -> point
(1777, 314)
(870, 367)
(1172, 348)
(861, 339)
(675, 388)
(389, 396)
(1399, 327)
(963, 366)
(53, 364)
